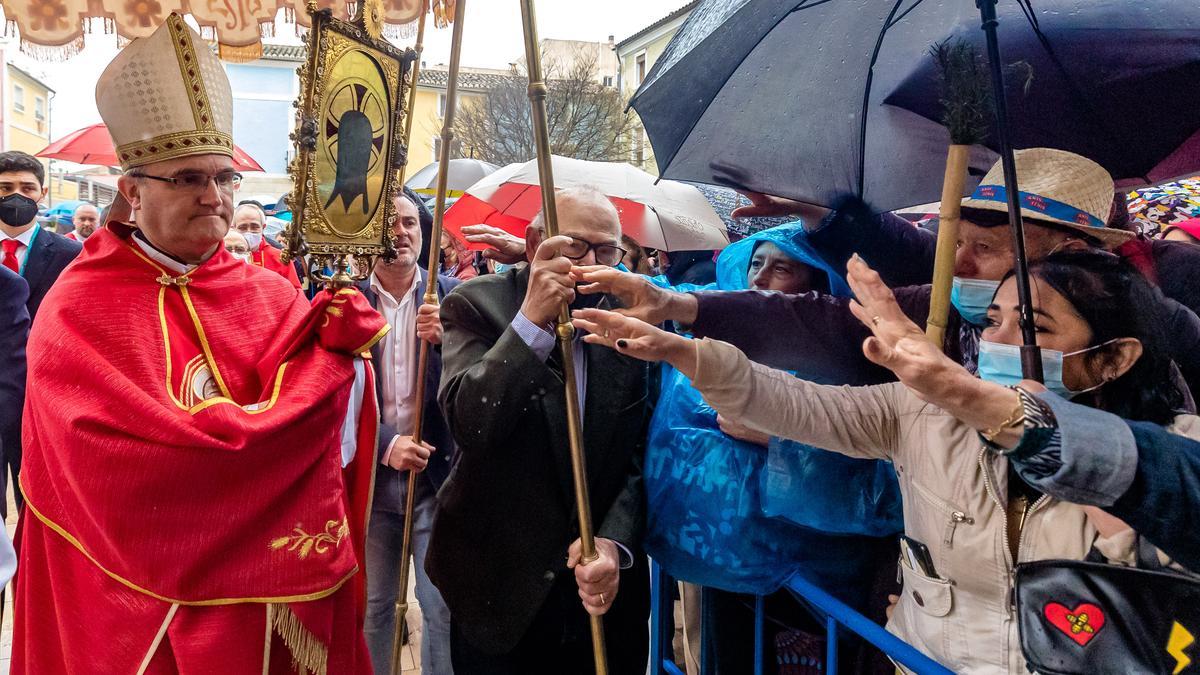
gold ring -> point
(602, 600)
(875, 320)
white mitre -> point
(166, 96)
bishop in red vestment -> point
(198, 461)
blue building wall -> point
(263, 113)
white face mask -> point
(244, 257)
(253, 240)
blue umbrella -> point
(64, 210)
(811, 99)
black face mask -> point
(17, 209)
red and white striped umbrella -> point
(665, 215)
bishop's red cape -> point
(187, 508)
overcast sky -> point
(492, 38)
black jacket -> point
(14, 332)
(49, 255)
(434, 430)
(506, 515)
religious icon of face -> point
(351, 160)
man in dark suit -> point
(396, 289)
(505, 547)
(34, 252)
(14, 330)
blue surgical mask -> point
(1001, 363)
(972, 297)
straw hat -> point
(166, 96)
(1056, 187)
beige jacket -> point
(954, 491)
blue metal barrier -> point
(837, 615)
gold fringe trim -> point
(239, 54)
(308, 654)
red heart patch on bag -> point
(1080, 624)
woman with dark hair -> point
(967, 518)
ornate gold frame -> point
(312, 232)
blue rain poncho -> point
(732, 515)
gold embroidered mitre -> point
(166, 96)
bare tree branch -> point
(586, 120)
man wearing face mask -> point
(235, 243)
(249, 219)
(1066, 201)
(524, 608)
(36, 253)
(86, 219)
(198, 462)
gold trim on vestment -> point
(212, 361)
(189, 603)
(375, 340)
(158, 638)
(162, 321)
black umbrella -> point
(809, 99)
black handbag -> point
(1078, 617)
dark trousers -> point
(558, 641)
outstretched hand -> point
(896, 342)
(503, 247)
(635, 338)
(640, 298)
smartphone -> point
(917, 556)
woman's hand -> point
(900, 345)
(635, 338)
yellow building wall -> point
(629, 83)
(427, 125)
(28, 133)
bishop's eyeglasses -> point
(195, 181)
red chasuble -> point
(187, 507)
(268, 258)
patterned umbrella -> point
(1154, 207)
(724, 200)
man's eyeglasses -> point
(227, 181)
(606, 254)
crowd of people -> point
(211, 456)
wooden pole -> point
(564, 329)
(949, 215)
(431, 298)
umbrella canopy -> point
(64, 210)
(93, 145)
(1153, 208)
(810, 99)
(665, 215)
(463, 173)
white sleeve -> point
(353, 411)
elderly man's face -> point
(186, 222)
(235, 243)
(86, 219)
(586, 221)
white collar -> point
(26, 237)
(161, 258)
(377, 286)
